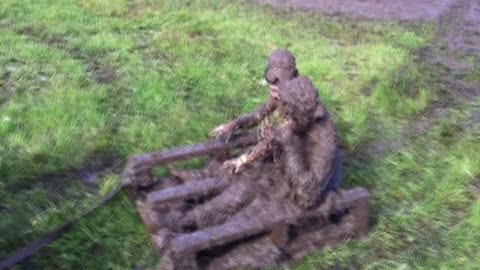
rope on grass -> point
(32, 248)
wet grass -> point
(85, 84)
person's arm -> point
(247, 120)
(264, 147)
(258, 151)
(253, 119)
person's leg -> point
(223, 206)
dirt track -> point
(459, 20)
(373, 9)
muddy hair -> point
(299, 100)
(281, 67)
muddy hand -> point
(232, 166)
(225, 131)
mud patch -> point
(99, 166)
(460, 27)
(101, 73)
(474, 120)
(89, 177)
(405, 10)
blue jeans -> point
(337, 177)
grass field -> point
(84, 84)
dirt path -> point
(460, 27)
(456, 52)
(458, 31)
(372, 9)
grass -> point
(84, 84)
(425, 208)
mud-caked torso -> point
(308, 159)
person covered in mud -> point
(306, 167)
(307, 141)
(281, 67)
(306, 161)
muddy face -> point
(281, 67)
(299, 100)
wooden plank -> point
(229, 232)
(182, 153)
(187, 191)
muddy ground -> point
(459, 19)
(373, 9)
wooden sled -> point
(251, 243)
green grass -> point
(87, 83)
(426, 203)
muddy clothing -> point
(243, 122)
(299, 166)
(310, 159)
(211, 170)
(301, 155)
(259, 182)
(221, 207)
(260, 251)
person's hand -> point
(232, 166)
(225, 131)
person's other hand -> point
(224, 131)
(232, 166)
